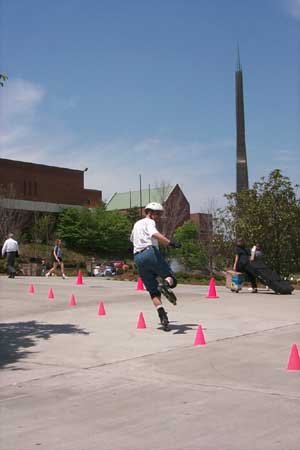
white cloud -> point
(204, 170)
(115, 165)
(287, 156)
(19, 100)
(20, 97)
(195, 167)
(293, 8)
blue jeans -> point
(151, 264)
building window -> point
(24, 188)
(29, 188)
(35, 188)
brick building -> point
(204, 223)
(176, 206)
(37, 187)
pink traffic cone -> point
(72, 300)
(50, 294)
(140, 285)
(31, 289)
(199, 339)
(101, 310)
(294, 359)
(212, 289)
(141, 321)
(79, 278)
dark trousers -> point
(10, 258)
(248, 270)
(151, 264)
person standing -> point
(256, 252)
(10, 250)
(57, 259)
(242, 263)
(150, 262)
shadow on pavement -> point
(181, 328)
(17, 336)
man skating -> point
(149, 261)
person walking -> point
(57, 259)
(242, 263)
(150, 262)
(10, 251)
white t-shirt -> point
(141, 235)
(10, 245)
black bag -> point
(270, 278)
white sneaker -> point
(64, 276)
(47, 274)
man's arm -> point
(54, 254)
(4, 248)
(161, 238)
(235, 262)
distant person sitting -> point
(109, 271)
(96, 271)
(43, 268)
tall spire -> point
(238, 62)
(241, 161)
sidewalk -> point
(74, 380)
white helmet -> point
(154, 206)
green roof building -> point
(176, 206)
(133, 199)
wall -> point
(204, 223)
(41, 183)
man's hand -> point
(174, 244)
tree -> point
(192, 253)
(268, 214)
(43, 226)
(11, 220)
(95, 231)
(113, 232)
(176, 208)
(69, 227)
(133, 215)
(3, 78)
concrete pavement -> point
(71, 379)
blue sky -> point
(129, 87)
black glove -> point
(174, 244)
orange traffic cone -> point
(141, 321)
(31, 289)
(101, 310)
(212, 289)
(50, 293)
(199, 339)
(140, 285)
(294, 360)
(79, 278)
(72, 300)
